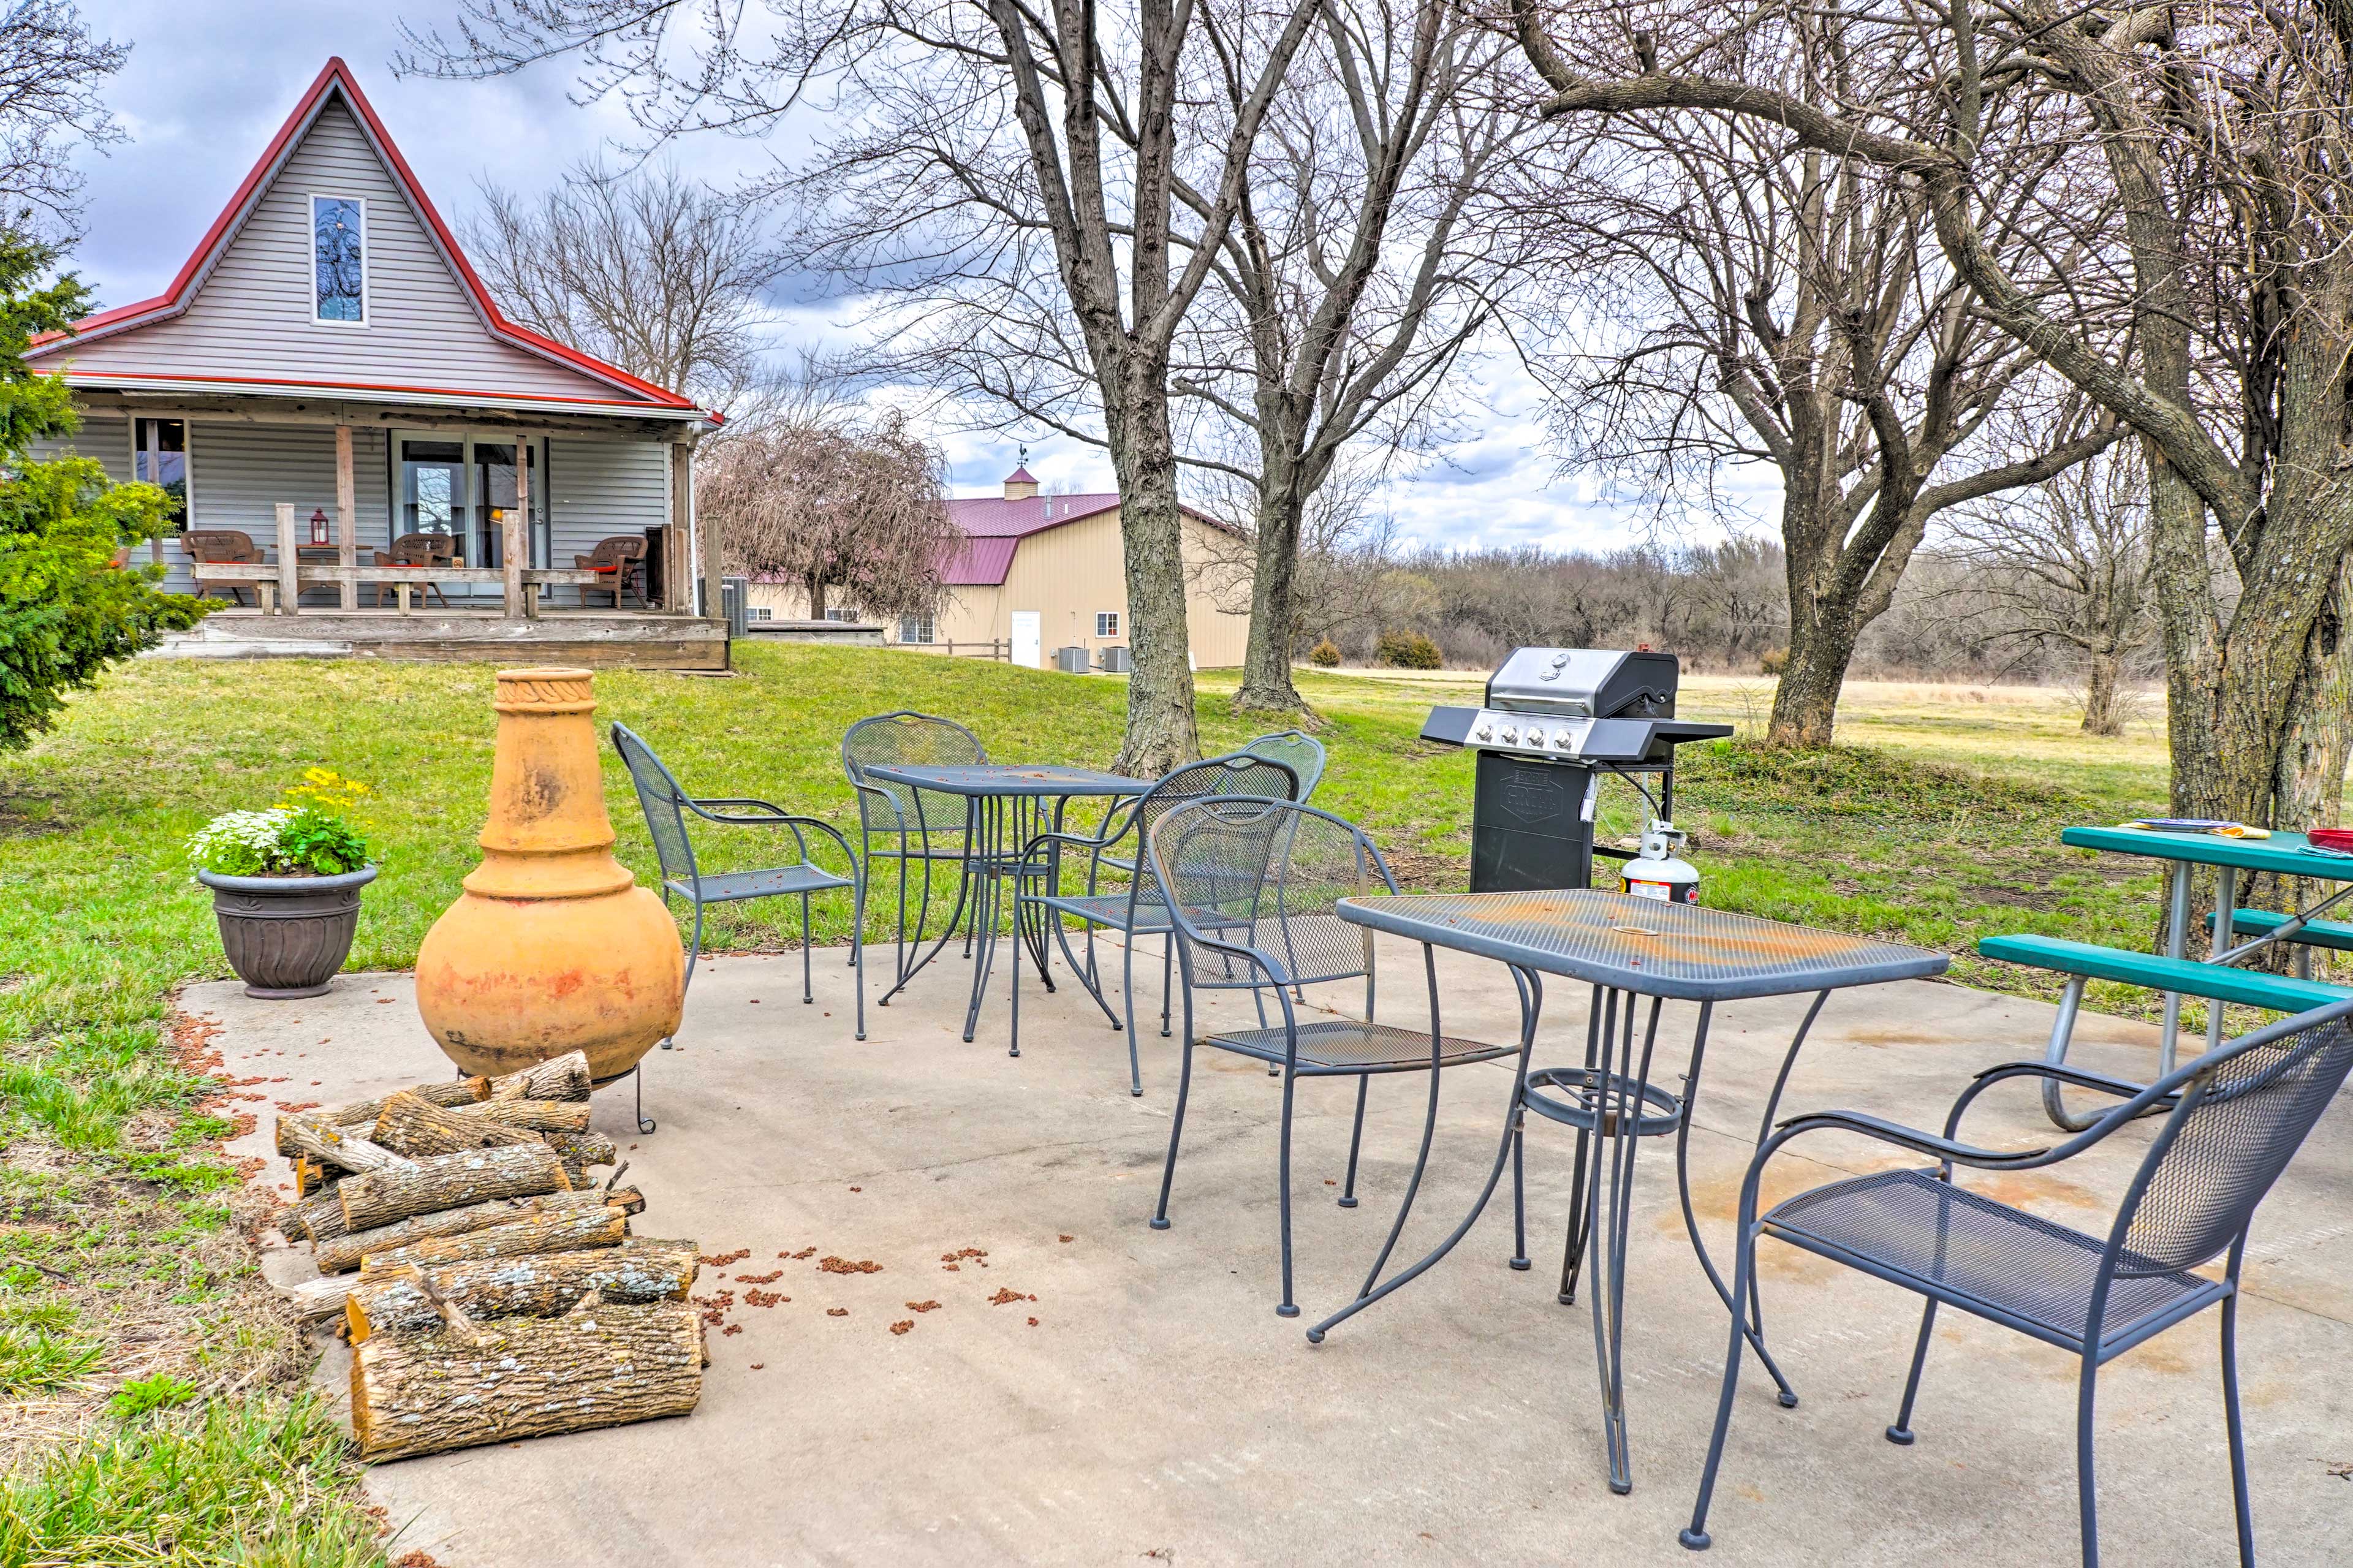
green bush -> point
(1407, 650)
(1773, 661)
(1324, 654)
(67, 609)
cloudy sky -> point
(210, 82)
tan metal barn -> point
(1037, 574)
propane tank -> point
(1656, 871)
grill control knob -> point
(1510, 737)
(1486, 731)
(1566, 740)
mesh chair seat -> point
(725, 887)
(1982, 1256)
(916, 845)
(1111, 910)
(1353, 1045)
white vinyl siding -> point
(252, 317)
(605, 487)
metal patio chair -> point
(1135, 909)
(666, 805)
(911, 824)
(2234, 1119)
(1255, 885)
(1302, 751)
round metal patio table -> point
(1004, 806)
(1626, 948)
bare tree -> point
(649, 270)
(829, 502)
(53, 71)
(1738, 298)
(2065, 563)
(2219, 142)
(970, 131)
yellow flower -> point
(324, 790)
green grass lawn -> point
(120, 1256)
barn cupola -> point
(1019, 485)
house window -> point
(916, 628)
(339, 260)
(159, 457)
(1106, 623)
(761, 613)
(836, 613)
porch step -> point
(642, 641)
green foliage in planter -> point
(310, 833)
(67, 609)
(1407, 650)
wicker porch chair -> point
(2235, 1117)
(666, 805)
(419, 550)
(222, 547)
(1135, 909)
(1255, 886)
(623, 555)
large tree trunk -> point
(1822, 621)
(1274, 616)
(1161, 730)
(2100, 715)
(597, 1365)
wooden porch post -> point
(518, 535)
(290, 558)
(514, 546)
(346, 516)
(682, 460)
(678, 553)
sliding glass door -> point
(462, 488)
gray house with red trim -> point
(327, 345)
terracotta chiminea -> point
(552, 947)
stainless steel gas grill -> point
(1554, 722)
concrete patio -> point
(1140, 1400)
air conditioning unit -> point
(1116, 661)
(1070, 661)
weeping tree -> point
(975, 147)
(833, 504)
(2206, 182)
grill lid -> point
(1585, 683)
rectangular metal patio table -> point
(2284, 854)
(1625, 948)
(1005, 805)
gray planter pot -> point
(287, 936)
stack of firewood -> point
(490, 1287)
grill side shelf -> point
(1452, 726)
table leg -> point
(982, 933)
(2176, 943)
(1530, 1007)
(963, 893)
(1619, 1103)
(2226, 913)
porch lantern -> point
(552, 947)
(319, 526)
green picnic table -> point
(2283, 853)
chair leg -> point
(1519, 1259)
(2087, 1491)
(1288, 1308)
(808, 993)
(1167, 978)
(858, 951)
(1572, 1247)
(1177, 1121)
(1127, 983)
(638, 1076)
(2238, 1431)
(1695, 1535)
(1900, 1433)
(1355, 1140)
(1014, 1048)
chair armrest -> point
(2081, 1077)
(703, 809)
(1885, 1131)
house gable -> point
(241, 311)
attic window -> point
(339, 260)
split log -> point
(363, 1113)
(315, 1219)
(543, 1286)
(559, 1232)
(578, 1151)
(534, 1115)
(416, 1128)
(318, 1301)
(342, 1252)
(313, 1178)
(451, 1181)
(561, 1078)
(331, 1145)
(597, 1365)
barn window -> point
(1106, 623)
(339, 259)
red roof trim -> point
(337, 76)
(72, 375)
